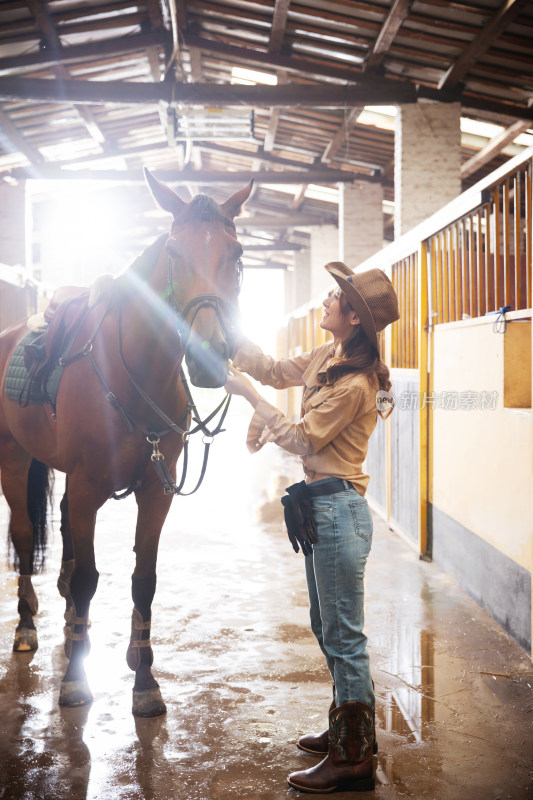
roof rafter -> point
(495, 146)
(279, 22)
(124, 44)
(391, 26)
(41, 15)
(506, 13)
(342, 134)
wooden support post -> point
(426, 412)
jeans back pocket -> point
(362, 519)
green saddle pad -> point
(17, 378)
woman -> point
(342, 383)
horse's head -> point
(204, 274)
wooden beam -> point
(299, 197)
(279, 246)
(103, 47)
(264, 176)
(270, 135)
(155, 15)
(195, 56)
(503, 17)
(369, 92)
(279, 22)
(155, 70)
(178, 23)
(391, 26)
(179, 8)
(495, 146)
(195, 176)
(216, 147)
(469, 101)
(285, 221)
(375, 91)
(40, 12)
(273, 60)
(44, 23)
(265, 265)
(342, 135)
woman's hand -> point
(237, 383)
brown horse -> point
(121, 410)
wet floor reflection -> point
(409, 708)
(241, 673)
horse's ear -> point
(166, 197)
(233, 205)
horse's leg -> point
(83, 503)
(14, 470)
(153, 508)
(67, 561)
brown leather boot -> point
(317, 743)
(348, 764)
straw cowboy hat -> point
(370, 294)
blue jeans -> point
(335, 572)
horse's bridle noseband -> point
(197, 303)
(219, 306)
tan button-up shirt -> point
(336, 421)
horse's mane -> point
(144, 263)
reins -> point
(154, 437)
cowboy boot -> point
(317, 743)
(348, 764)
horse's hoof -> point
(75, 693)
(25, 640)
(148, 703)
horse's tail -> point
(40, 491)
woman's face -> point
(333, 320)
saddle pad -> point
(17, 378)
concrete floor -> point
(240, 672)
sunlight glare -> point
(262, 303)
(79, 234)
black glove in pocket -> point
(299, 519)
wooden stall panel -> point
(404, 332)
(482, 262)
(405, 453)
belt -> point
(330, 486)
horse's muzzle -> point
(207, 365)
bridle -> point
(182, 428)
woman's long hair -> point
(358, 354)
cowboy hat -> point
(370, 294)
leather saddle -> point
(64, 316)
